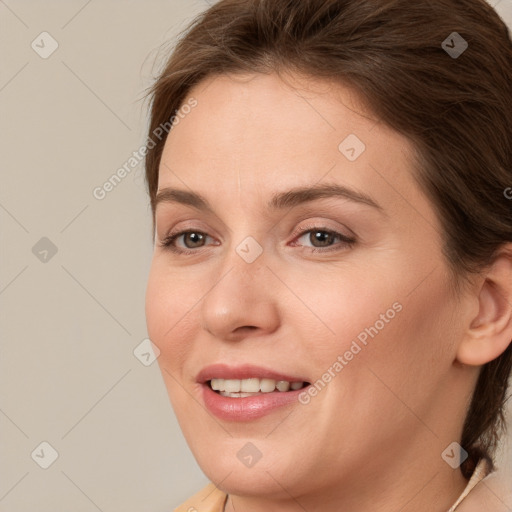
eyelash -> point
(168, 241)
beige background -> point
(70, 324)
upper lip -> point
(244, 371)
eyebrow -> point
(279, 201)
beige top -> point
(480, 472)
(211, 499)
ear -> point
(490, 331)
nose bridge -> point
(242, 271)
(248, 236)
(241, 295)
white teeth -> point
(252, 386)
(267, 385)
(232, 385)
(216, 383)
(235, 395)
(283, 385)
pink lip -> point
(251, 407)
(245, 371)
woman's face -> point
(314, 258)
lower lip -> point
(247, 408)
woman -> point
(331, 285)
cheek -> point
(417, 345)
(168, 316)
(387, 322)
(344, 305)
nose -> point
(243, 300)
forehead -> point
(268, 112)
(261, 133)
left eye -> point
(322, 238)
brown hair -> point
(455, 109)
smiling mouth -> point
(242, 388)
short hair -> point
(437, 71)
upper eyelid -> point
(302, 218)
(191, 209)
(224, 226)
(319, 225)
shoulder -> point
(208, 499)
(489, 495)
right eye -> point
(195, 238)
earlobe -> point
(490, 331)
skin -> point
(372, 439)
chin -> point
(255, 481)
(267, 475)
